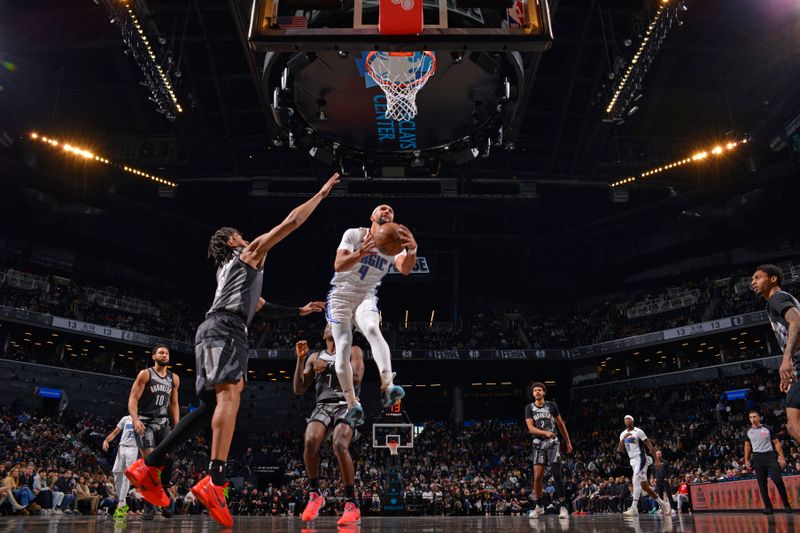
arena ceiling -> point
(728, 71)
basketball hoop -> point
(393, 446)
(401, 75)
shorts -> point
(220, 351)
(347, 307)
(546, 452)
(639, 466)
(793, 396)
(329, 415)
(155, 430)
(126, 456)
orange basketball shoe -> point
(315, 503)
(351, 515)
(213, 497)
(147, 480)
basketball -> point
(387, 239)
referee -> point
(762, 443)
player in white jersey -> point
(353, 300)
(633, 440)
(127, 453)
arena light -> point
(652, 38)
(90, 156)
(140, 49)
(717, 150)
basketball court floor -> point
(696, 523)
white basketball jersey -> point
(128, 435)
(634, 442)
(366, 275)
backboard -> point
(356, 25)
(383, 433)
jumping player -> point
(542, 418)
(634, 441)
(353, 300)
(784, 315)
(127, 453)
(221, 358)
(152, 405)
(328, 418)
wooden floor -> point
(606, 523)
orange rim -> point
(419, 81)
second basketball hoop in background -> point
(401, 75)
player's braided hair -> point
(218, 250)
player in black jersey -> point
(221, 355)
(153, 404)
(784, 315)
(542, 418)
(153, 401)
(328, 418)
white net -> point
(393, 446)
(401, 76)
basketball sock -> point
(343, 338)
(350, 493)
(369, 324)
(166, 473)
(558, 479)
(313, 485)
(186, 428)
(216, 470)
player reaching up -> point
(221, 355)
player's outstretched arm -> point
(257, 250)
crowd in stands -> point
(56, 465)
(523, 328)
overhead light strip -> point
(698, 157)
(88, 155)
(647, 40)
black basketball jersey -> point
(238, 288)
(777, 306)
(327, 387)
(154, 401)
(543, 417)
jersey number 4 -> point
(363, 271)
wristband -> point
(414, 251)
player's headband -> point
(375, 211)
(627, 417)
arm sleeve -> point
(351, 240)
(270, 311)
(780, 303)
(554, 409)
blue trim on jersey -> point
(642, 456)
(328, 315)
